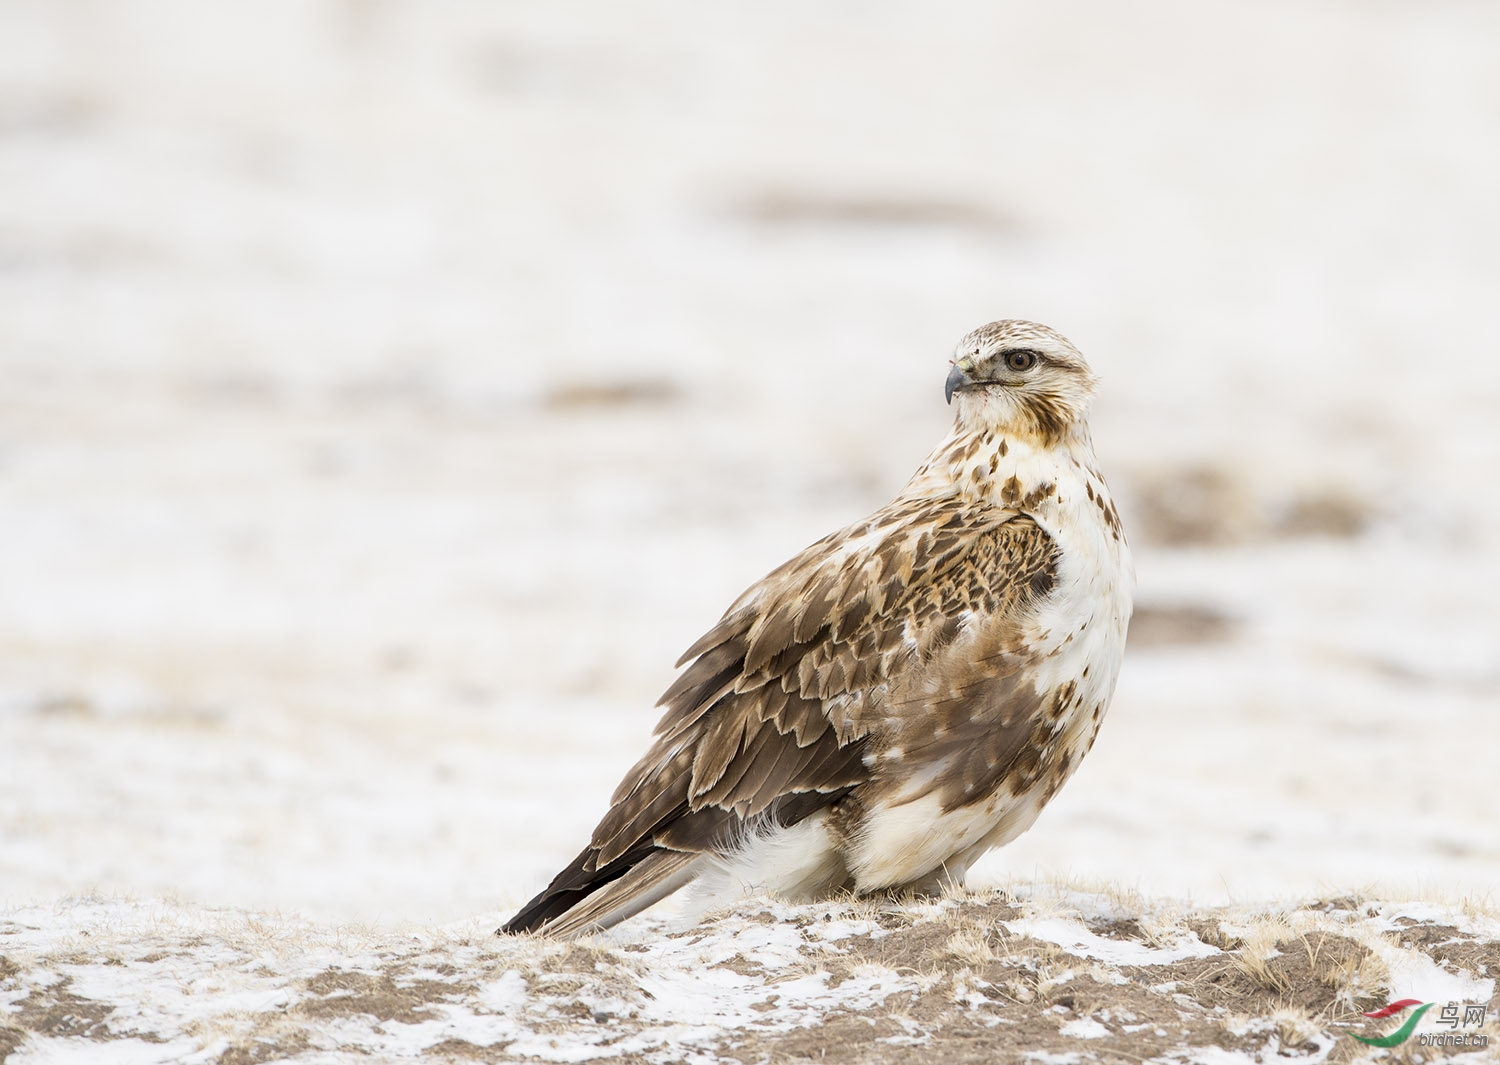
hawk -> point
(905, 694)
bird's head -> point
(1020, 378)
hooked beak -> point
(957, 379)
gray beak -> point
(956, 380)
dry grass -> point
(852, 981)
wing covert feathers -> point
(775, 713)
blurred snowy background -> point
(389, 391)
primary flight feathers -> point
(905, 693)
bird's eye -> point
(1020, 360)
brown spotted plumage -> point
(905, 693)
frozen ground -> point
(1065, 975)
(390, 393)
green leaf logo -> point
(1402, 1034)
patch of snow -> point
(1415, 975)
(504, 995)
(77, 1051)
(1441, 913)
(1213, 1055)
(1073, 937)
(1085, 1028)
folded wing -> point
(774, 715)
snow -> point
(1417, 976)
(504, 994)
(1432, 911)
(1084, 1028)
(123, 1051)
(1079, 940)
(232, 980)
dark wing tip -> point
(576, 881)
(572, 886)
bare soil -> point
(1060, 977)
